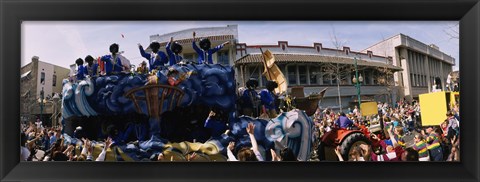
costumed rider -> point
(250, 99)
(91, 68)
(205, 53)
(268, 98)
(113, 62)
(157, 58)
(142, 68)
(80, 69)
(173, 51)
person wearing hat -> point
(113, 63)
(267, 98)
(173, 51)
(250, 99)
(205, 53)
(157, 58)
(91, 68)
(80, 69)
(142, 68)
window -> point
(42, 78)
(254, 72)
(367, 77)
(54, 82)
(376, 75)
(222, 58)
(264, 82)
(314, 75)
(302, 73)
(334, 79)
(411, 79)
(292, 75)
(190, 57)
(326, 79)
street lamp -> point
(357, 80)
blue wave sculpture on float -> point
(208, 85)
(290, 129)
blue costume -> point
(249, 98)
(81, 72)
(171, 56)
(111, 64)
(344, 122)
(268, 99)
(91, 70)
(201, 53)
(154, 61)
(139, 130)
(216, 127)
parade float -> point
(147, 114)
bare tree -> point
(334, 69)
(385, 78)
(453, 31)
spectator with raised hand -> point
(397, 136)
(101, 156)
(339, 155)
(275, 157)
(246, 154)
(230, 155)
(250, 130)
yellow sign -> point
(433, 108)
(369, 108)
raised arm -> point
(392, 136)
(217, 48)
(230, 155)
(194, 45)
(143, 53)
(250, 130)
(101, 156)
(168, 48)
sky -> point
(62, 42)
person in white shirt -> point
(38, 123)
(246, 154)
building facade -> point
(35, 77)
(316, 67)
(421, 64)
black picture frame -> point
(12, 13)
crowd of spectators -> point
(401, 121)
